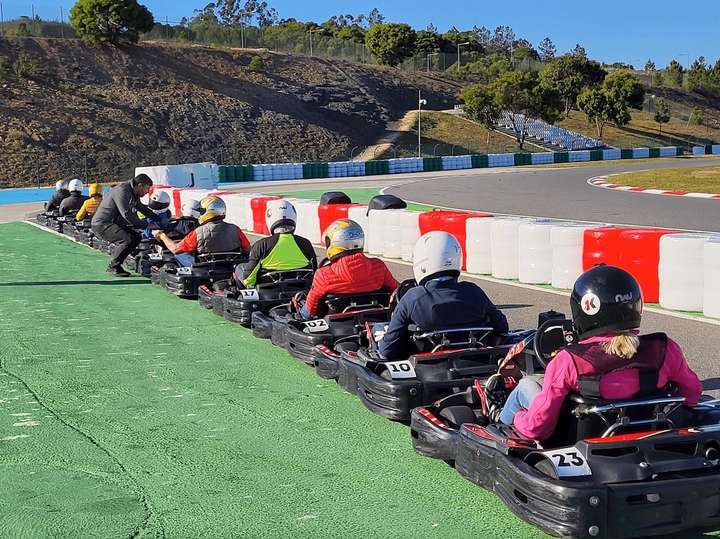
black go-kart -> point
(208, 269)
(343, 317)
(445, 361)
(237, 304)
(83, 233)
(148, 253)
(633, 468)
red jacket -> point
(350, 274)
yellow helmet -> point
(212, 208)
(95, 189)
(343, 235)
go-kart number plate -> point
(316, 326)
(568, 462)
(155, 256)
(400, 369)
(249, 294)
(184, 271)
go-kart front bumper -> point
(431, 437)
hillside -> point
(98, 112)
(642, 131)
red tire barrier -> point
(176, 201)
(258, 206)
(452, 222)
(600, 246)
(329, 213)
(639, 251)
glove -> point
(297, 302)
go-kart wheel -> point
(457, 415)
(551, 337)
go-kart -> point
(344, 316)
(445, 361)
(637, 467)
(237, 304)
(208, 269)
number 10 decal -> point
(400, 369)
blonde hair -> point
(624, 345)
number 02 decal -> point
(316, 326)
(568, 462)
(400, 369)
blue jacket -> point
(439, 303)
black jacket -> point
(72, 203)
(54, 203)
(120, 207)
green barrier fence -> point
(235, 173)
(378, 166)
(654, 152)
(561, 157)
(626, 154)
(315, 170)
(432, 164)
(479, 161)
(596, 155)
(522, 159)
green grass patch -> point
(698, 180)
(447, 134)
(125, 411)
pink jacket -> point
(561, 378)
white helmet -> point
(60, 185)
(436, 252)
(280, 214)
(75, 185)
(159, 201)
(191, 208)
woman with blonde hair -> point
(611, 360)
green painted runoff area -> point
(360, 195)
(128, 412)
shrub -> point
(110, 21)
(696, 117)
(24, 66)
(256, 64)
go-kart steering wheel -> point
(552, 336)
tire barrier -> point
(711, 278)
(640, 256)
(600, 246)
(479, 245)
(452, 222)
(535, 252)
(710, 149)
(681, 271)
(566, 241)
(504, 232)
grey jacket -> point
(120, 207)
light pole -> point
(428, 60)
(458, 50)
(311, 33)
(421, 102)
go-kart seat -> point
(283, 284)
(474, 336)
(344, 303)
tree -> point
(525, 98)
(547, 50)
(110, 21)
(427, 42)
(610, 102)
(650, 66)
(390, 43)
(375, 17)
(579, 51)
(568, 75)
(479, 105)
(697, 76)
(696, 117)
(673, 75)
(662, 113)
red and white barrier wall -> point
(680, 271)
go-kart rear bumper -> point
(184, 286)
(262, 325)
(209, 298)
(302, 345)
(586, 509)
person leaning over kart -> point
(213, 235)
(71, 204)
(159, 203)
(346, 270)
(116, 218)
(61, 192)
(179, 227)
(610, 359)
(283, 250)
(91, 203)
(439, 300)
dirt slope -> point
(98, 113)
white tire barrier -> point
(641, 153)
(392, 238)
(504, 246)
(501, 160)
(542, 158)
(711, 278)
(535, 252)
(308, 220)
(377, 223)
(456, 162)
(680, 271)
(579, 156)
(410, 233)
(566, 240)
(609, 155)
(479, 245)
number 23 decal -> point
(568, 462)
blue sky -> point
(629, 30)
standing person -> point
(91, 204)
(75, 201)
(116, 218)
(61, 192)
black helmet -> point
(605, 299)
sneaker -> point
(118, 272)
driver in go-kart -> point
(610, 360)
(439, 300)
(346, 270)
(282, 250)
(60, 194)
(213, 235)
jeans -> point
(185, 260)
(521, 397)
(126, 241)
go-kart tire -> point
(262, 325)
